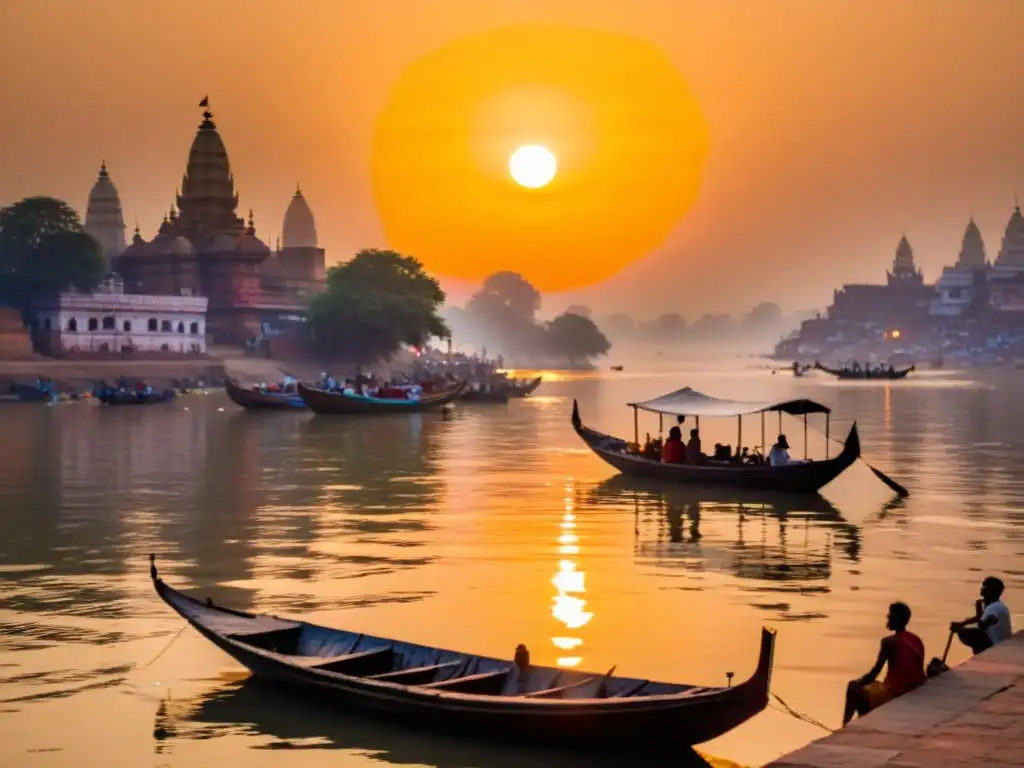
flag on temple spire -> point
(205, 102)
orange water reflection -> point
(569, 607)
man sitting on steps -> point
(903, 652)
(992, 618)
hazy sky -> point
(833, 127)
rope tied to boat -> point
(798, 715)
(166, 647)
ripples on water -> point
(492, 528)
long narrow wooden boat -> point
(131, 397)
(491, 395)
(863, 374)
(528, 388)
(474, 694)
(798, 477)
(324, 401)
(252, 399)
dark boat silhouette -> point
(474, 694)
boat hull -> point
(526, 389)
(864, 375)
(806, 477)
(263, 401)
(690, 717)
(135, 398)
(323, 402)
(485, 396)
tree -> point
(766, 317)
(712, 327)
(373, 304)
(43, 251)
(667, 327)
(579, 309)
(511, 291)
(575, 336)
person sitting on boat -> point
(778, 456)
(673, 451)
(903, 652)
(991, 619)
(693, 452)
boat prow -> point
(474, 694)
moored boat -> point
(795, 477)
(858, 373)
(474, 694)
(492, 394)
(340, 402)
(263, 400)
(522, 389)
(111, 396)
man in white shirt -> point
(778, 456)
(992, 618)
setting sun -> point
(532, 166)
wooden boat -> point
(324, 401)
(257, 400)
(133, 397)
(617, 368)
(474, 694)
(517, 389)
(499, 394)
(798, 477)
(862, 373)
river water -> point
(479, 532)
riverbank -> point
(972, 715)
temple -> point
(903, 300)
(104, 219)
(973, 302)
(204, 248)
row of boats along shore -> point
(512, 698)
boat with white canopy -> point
(807, 476)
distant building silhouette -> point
(104, 218)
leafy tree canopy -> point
(510, 291)
(574, 336)
(44, 250)
(373, 304)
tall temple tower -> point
(208, 200)
(972, 249)
(299, 229)
(904, 271)
(104, 219)
(1011, 254)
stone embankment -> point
(972, 715)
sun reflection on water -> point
(569, 607)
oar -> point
(949, 642)
(899, 489)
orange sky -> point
(832, 127)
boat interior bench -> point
(482, 682)
(416, 675)
(560, 689)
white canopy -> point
(690, 402)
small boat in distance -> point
(341, 402)
(617, 368)
(262, 399)
(480, 695)
(855, 372)
(753, 473)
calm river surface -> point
(477, 533)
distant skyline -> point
(833, 128)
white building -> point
(110, 321)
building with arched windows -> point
(109, 321)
